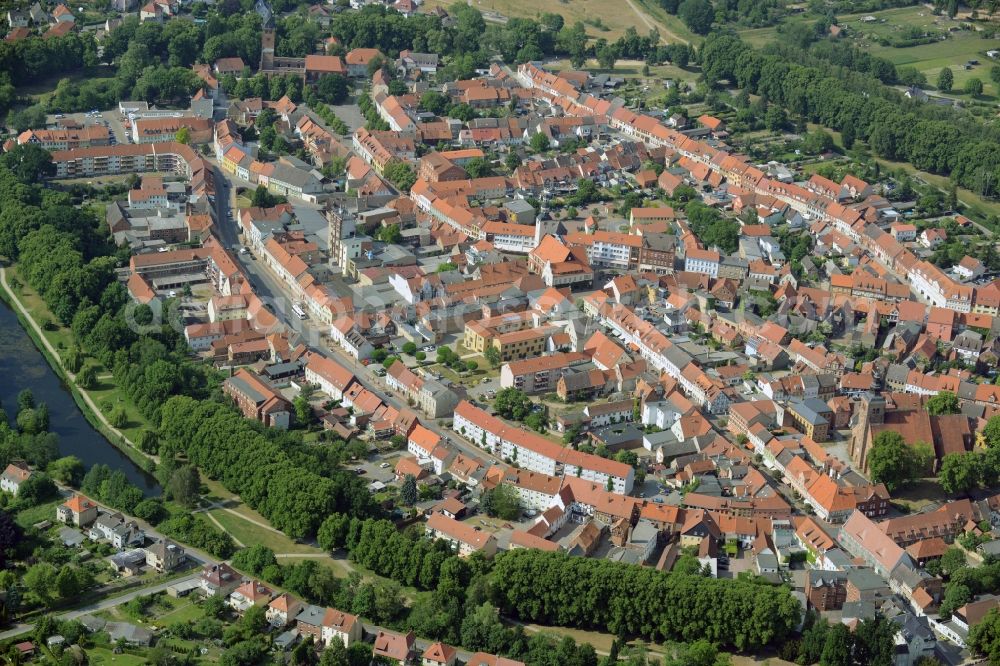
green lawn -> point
(216, 491)
(101, 655)
(249, 533)
(339, 569)
(37, 514)
(60, 337)
(181, 610)
(917, 496)
(107, 391)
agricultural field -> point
(955, 47)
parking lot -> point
(109, 119)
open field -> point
(339, 569)
(954, 51)
(604, 19)
(249, 534)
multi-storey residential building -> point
(609, 249)
(536, 453)
(528, 343)
(539, 375)
(702, 261)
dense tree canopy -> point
(557, 589)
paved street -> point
(270, 289)
(95, 607)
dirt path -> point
(652, 23)
(224, 530)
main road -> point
(272, 291)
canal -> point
(23, 366)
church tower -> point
(266, 36)
(869, 410)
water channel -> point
(23, 366)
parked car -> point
(384, 465)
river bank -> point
(31, 361)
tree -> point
(434, 101)
(944, 402)
(953, 560)
(539, 143)
(332, 88)
(400, 174)
(389, 234)
(118, 416)
(408, 491)
(512, 403)
(502, 502)
(471, 366)
(606, 56)
(512, 161)
(10, 535)
(697, 15)
(984, 638)
(409, 348)
(183, 135)
(68, 470)
(29, 162)
(40, 581)
(87, 377)
(945, 80)
(960, 472)
(151, 510)
(974, 87)
(492, 355)
(67, 586)
(991, 432)
(332, 534)
(184, 486)
(303, 410)
(478, 167)
(839, 646)
(262, 198)
(874, 641)
(254, 559)
(891, 461)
